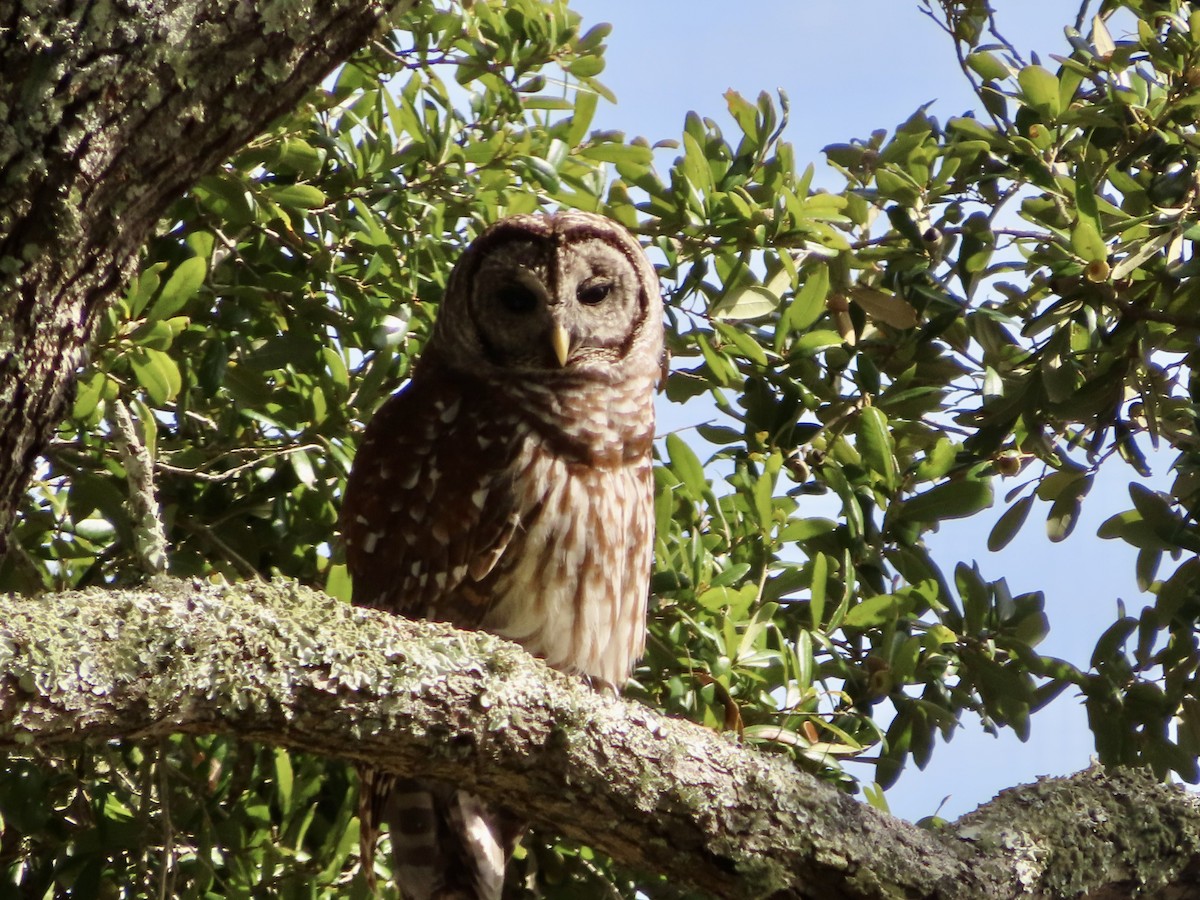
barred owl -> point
(508, 487)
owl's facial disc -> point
(557, 302)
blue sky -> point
(850, 68)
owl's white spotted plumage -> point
(508, 487)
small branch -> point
(264, 456)
(167, 877)
(1081, 16)
(1146, 314)
(139, 473)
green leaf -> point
(226, 197)
(302, 466)
(543, 173)
(300, 157)
(87, 397)
(593, 39)
(142, 288)
(1040, 88)
(812, 341)
(1086, 241)
(157, 373)
(337, 582)
(975, 594)
(751, 302)
(1130, 527)
(298, 196)
(742, 111)
(876, 445)
(763, 503)
(695, 165)
(284, 779)
(336, 367)
(988, 65)
(801, 530)
(1085, 198)
(939, 460)
(884, 307)
(952, 500)
(628, 154)
(1064, 513)
(722, 371)
(183, 284)
(746, 345)
(581, 117)
(586, 66)
(1147, 568)
(734, 602)
(874, 611)
(972, 127)
(731, 575)
(820, 577)
(809, 303)
(1155, 509)
(1111, 643)
(1009, 524)
(686, 466)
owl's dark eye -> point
(594, 292)
(517, 298)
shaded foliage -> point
(1005, 295)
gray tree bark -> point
(289, 666)
(108, 112)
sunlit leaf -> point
(876, 445)
(157, 372)
(299, 196)
(1040, 88)
(751, 302)
(180, 287)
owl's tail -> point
(446, 845)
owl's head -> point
(570, 292)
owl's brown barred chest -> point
(574, 589)
(526, 512)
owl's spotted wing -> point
(428, 511)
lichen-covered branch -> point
(143, 500)
(292, 667)
(108, 112)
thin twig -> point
(167, 877)
(1081, 16)
(205, 533)
(200, 475)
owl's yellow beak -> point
(561, 341)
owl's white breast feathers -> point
(574, 589)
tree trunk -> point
(110, 112)
(292, 667)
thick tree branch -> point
(292, 667)
(108, 112)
